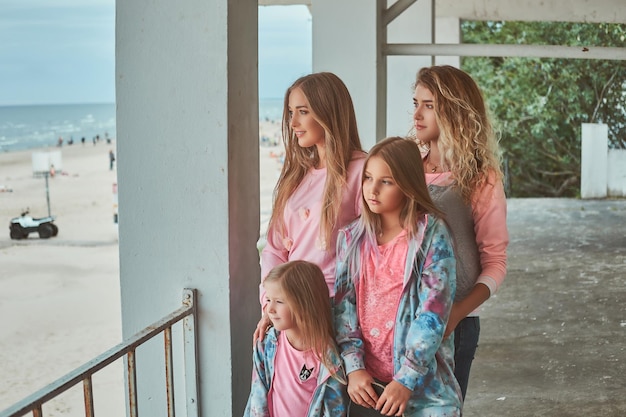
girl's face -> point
(308, 131)
(381, 193)
(424, 119)
(277, 308)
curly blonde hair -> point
(468, 143)
(331, 106)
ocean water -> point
(40, 126)
(271, 109)
(36, 126)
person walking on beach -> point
(462, 168)
(297, 369)
(318, 190)
(395, 287)
(111, 159)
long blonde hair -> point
(404, 160)
(331, 106)
(467, 143)
(306, 291)
(405, 163)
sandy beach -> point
(60, 298)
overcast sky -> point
(63, 51)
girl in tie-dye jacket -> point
(297, 369)
(393, 293)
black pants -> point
(466, 337)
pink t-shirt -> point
(294, 381)
(302, 223)
(379, 291)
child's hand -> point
(393, 400)
(261, 328)
(360, 388)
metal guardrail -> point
(187, 313)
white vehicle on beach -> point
(22, 226)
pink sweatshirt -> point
(302, 223)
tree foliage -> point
(540, 104)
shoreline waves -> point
(28, 127)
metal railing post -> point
(191, 354)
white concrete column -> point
(616, 176)
(188, 171)
(593, 160)
(344, 42)
(412, 26)
(448, 30)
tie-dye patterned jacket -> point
(422, 361)
(330, 398)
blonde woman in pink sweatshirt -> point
(462, 167)
(319, 188)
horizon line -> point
(91, 103)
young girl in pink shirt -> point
(319, 187)
(461, 162)
(395, 285)
(297, 369)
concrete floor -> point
(553, 340)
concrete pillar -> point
(188, 173)
(616, 176)
(345, 43)
(414, 25)
(593, 160)
(448, 30)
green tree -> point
(540, 104)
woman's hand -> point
(360, 388)
(453, 320)
(479, 294)
(394, 399)
(261, 328)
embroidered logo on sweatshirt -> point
(305, 373)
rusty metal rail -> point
(187, 313)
